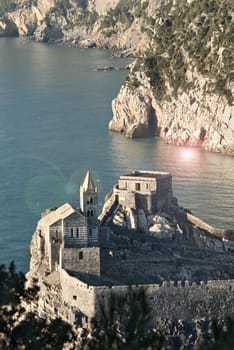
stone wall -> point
(182, 301)
(84, 260)
(75, 230)
(227, 234)
(170, 300)
(77, 294)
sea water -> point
(54, 112)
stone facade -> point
(83, 260)
(63, 231)
(150, 191)
(89, 199)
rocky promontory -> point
(181, 85)
(194, 118)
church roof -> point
(61, 213)
(88, 183)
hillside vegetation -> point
(184, 67)
(195, 37)
(7, 6)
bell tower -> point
(89, 198)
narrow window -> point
(80, 255)
(77, 232)
(90, 232)
(138, 186)
(88, 213)
(91, 212)
(72, 232)
(91, 200)
(147, 186)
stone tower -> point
(89, 198)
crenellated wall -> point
(170, 300)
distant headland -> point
(180, 86)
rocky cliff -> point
(180, 87)
(195, 117)
(87, 23)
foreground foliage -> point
(123, 323)
(22, 330)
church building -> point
(70, 236)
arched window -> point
(88, 213)
(91, 200)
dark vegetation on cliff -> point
(123, 14)
(25, 330)
(195, 36)
(83, 17)
(7, 6)
(187, 38)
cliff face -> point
(26, 18)
(184, 83)
(195, 117)
(180, 87)
(86, 23)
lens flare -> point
(187, 153)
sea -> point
(54, 112)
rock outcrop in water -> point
(181, 87)
(193, 118)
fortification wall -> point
(170, 300)
(182, 301)
(77, 294)
(204, 226)
(183, 216)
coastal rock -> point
(27, 18)
(133, 114)
(48, 33)
(193, 118)
(8, 28)
(77, 24)
(196, 116)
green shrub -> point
(183, 36)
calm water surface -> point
(54, 112)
